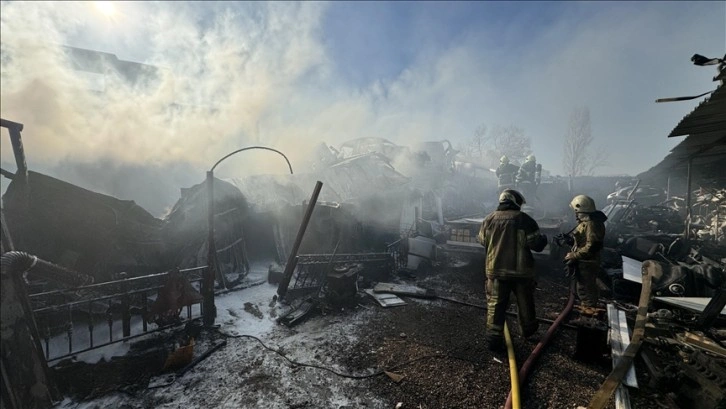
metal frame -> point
(124, 291)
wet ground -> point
(433, 350)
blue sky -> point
(377, 40)
(291, 75)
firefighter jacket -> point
(507, 173)
(527, 172)
(589, 236)
(509, 235)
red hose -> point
(524, 370)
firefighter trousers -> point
(587, 289)
(498, 292)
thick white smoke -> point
(236, 74)
(218, 80)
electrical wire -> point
(344, 375)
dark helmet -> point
(513, 196)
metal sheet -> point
(696, 304)
(404, 289)
(619, 341)
(632, 270)
(386, 299)
(464, 244)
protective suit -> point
(589, 236)
(527, 176)
(509, 236)
(507, 174)
(528, 170)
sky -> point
(291, 75)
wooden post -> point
(291, 262)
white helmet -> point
(504, 160)
(530, 158)
(583, 204)
(513, 196)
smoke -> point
(230, 75)
(218, 81)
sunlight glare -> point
(106, 8)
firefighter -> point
(506, 173)
(509, 236)
(527, 170)
(527, 176)
(588, 243)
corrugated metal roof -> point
(706, 148)
(709, 116)
(705, 142)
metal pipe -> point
(14, 129)
(290, 266)
(208, 283)
(529, 363)
(110, 283)
(7, 174)
(254, 147)
(6, 243)
(13, 264)
(688, 199)
(630, 195)
(19, 262)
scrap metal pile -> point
(683, 347)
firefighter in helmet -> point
(509, 236)
(589, 236)
(527, 176)
(506, 173)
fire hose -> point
(514, 378)
(524, 371)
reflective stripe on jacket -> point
(589, 237)
(509, 236)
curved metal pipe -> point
(19, 262)
(524, 370)
(253, 147)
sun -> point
(106, 8)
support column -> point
(209, 309)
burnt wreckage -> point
(91, 270)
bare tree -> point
(510, 141)
(489, 144)
(479, 141)
(578, 158)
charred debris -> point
(77, 263)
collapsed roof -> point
(705, 142)
(347, 181)
(100, 234)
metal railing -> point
(102, 305)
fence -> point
(126, 300)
